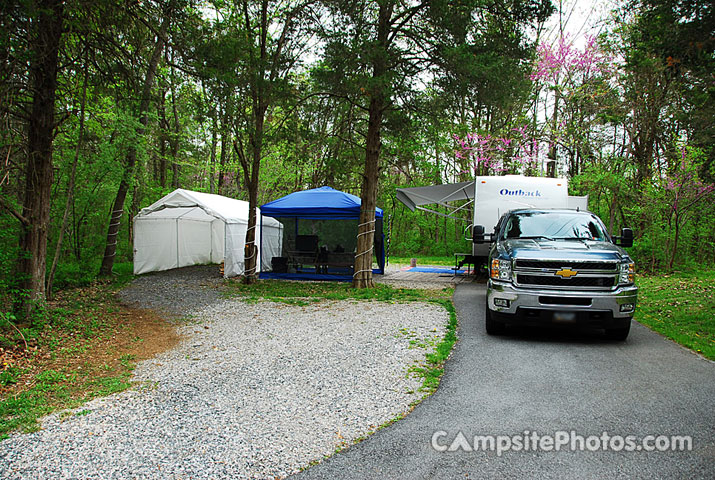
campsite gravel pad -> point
(179, 293)
(253, 391)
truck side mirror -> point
(626, 238)
(478, 234)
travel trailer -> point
(489, 198)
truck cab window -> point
(552, 225)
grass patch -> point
(424, 260)
(50, 391)
(432, 372)
(680, 306)
(305, 293)
(86, 347)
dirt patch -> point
(134, 335)
(156, 333)
(88, 348)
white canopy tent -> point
(187, 228)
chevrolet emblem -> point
(567, 273)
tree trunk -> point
(175, 138)
(362, 278)
(128, 176)
(251, 259)
(133, 211)
(675, 241)
(212, 164)
(251, 250)
(223, 158)
(162, 140)
(36, 208)
(70, 188)
(552, 155)
(612, 213)
(175, 173)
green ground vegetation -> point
(424, 260)
(680, 306)
(85, 346)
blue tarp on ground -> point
(322, 203)
(436, 270)
(325, 203)
(310, 276)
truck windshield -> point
(554, 226)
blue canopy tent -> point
(320, 235)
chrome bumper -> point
(560, 300)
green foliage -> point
(73, 274)
(9, 254)
(653, 210)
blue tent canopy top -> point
(316, 204)
(319, 204)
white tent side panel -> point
(218, 236)
(235, 242)
(155, 244)
(194, 242)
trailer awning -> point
(441, 195)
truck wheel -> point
(493, 327)
(618, 334)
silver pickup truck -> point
(558, 267)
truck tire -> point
(618, 334)
(493, 327)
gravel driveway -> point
(253, 391)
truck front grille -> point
(585, 275)
(554, 281)
(558, 264)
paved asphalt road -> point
(546, 382)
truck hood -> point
(539, 249)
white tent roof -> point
(197, 205)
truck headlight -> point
(501, 270)
(628, 274)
